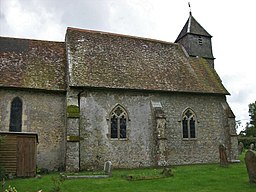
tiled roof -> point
(192, 27)
(106, 60)
(32, 64)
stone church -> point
(101, 96)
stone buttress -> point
(160, 137)
(73, 133)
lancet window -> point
(189, 124)
(16, 115)
(118, 122)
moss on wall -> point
(73, 111)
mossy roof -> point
(106, 60)
(33, 64)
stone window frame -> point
(194, 117)
(16, 126)
(124, 112)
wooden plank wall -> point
(26, 158)
(18, 154)
(8, 153)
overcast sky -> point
(230, 22)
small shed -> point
(18, 153)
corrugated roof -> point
(32, 64)
(192, 27)
(106, 60)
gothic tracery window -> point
(118, 123)
(16, 115)
(188, 124)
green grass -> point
(198, 178)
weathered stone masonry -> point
(43, 113)
(139, 148)
(73, 132)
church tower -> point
(196, 40)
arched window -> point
(118, 123)
(16, 115)
(188, 124)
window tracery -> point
(189, 124)
(118, 121)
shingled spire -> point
(196, 40)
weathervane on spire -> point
(189, 8)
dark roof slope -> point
(192, 27)
(32, 64)
(106, 60)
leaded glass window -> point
(118, 123)
(16, 115)
(188, 124)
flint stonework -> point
(141, 140)
(43, 114)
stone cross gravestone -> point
(108, 168)
(250, 161)
(252, 146)
(240, 148)
(223, 156)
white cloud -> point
(30, 21)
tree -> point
(252, 114)
(250, 129)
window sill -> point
(118, 139)
(189, 139)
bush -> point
(2, 173)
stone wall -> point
(139, 147)
(43, 113)
(97, 147)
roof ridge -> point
(26, 39)
(119, 35)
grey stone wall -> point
(43, 113)
(139, 147)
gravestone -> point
(108, 168)
(223, 156)
(240, 148)
(252, 146)
(250, 161)
(167, 172)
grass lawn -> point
(186, 178)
